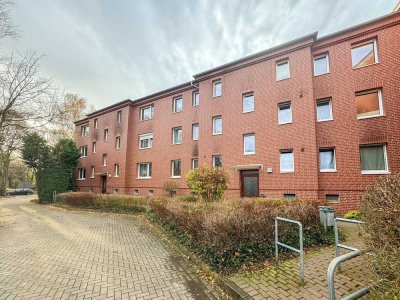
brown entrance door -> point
(103, 184)
(249, 183)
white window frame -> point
(85, 130)
(358, 45)
(291, 112)
(243, 107)
(244, 143)
(327, 64)
(280, 161)
(214, 83)
(213, 124)
(213, 160)
(149, 166)
(277, 66)
(119, 116)
(194, 98)
(376, 172)
(96, 123)
(81, 173)
(84, 151)
(142, 109)
(116, 170)
(172, 168)
(104, 157)
(198, 131)
(105, 134)
(94, 146)
(334, 160)
(175, 99)
(329, 100)
(173, 135)
(380, 102)
(146, 136)
(93, 172)
(118, 142)
(193, 160)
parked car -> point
(19, 192)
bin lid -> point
(326, 209)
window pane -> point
(324, 110)
(178, 104)
(363, 55)
(332, 198)
(249, 143)
(147, 113)
(327, 159)
(248, 103)
(144, 170)
(373, 158)
(321, 65)
(177, 136)
(217, 88)
(195, 131)
(196, 98)
(217, 125)
(285, 114)
(282, 71)
(176, 168)
(195, 163)
(368, 105)
(217, 161)
(250, 186)
(287, 161)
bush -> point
(228, 234)
(170, 188)
(380, 208)
(116, 203)
(188, 198)
(353, 214)
(209, 183)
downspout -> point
(192, 84)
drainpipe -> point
(192, 84)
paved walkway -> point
(55, 254)
(284, 282)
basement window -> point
(332, 198)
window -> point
(333, 198)
(119, 116)
(178, 104)
(104, 160)
(364, 54)
(85, 130)
(249, 143)
(150, 192)
(115, 191)
(282, 70)
(373, 159)
(289, 196)
(327, 160)
(106, 135)
(248, 103)
(176, 168)
(324, 110)
(177, 135)
(195, 163)
(96, 123)
(84, 151)
(217, 161)
(135, 192)
(144, 170)
(116, 170)
(93, 172)
(196, 98)
(285, 113)
(146, 141)
(286, 161)
(118, 142)
(147, 113)
(94, 147)
(195, 132)
(217, 88)
(81, 173)
(369, 104)
(217, 125)
(321, 64)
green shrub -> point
(380, 209)
(353, 214)
(230, 233)
(188, 198)
(170, 188)
(209, 183)
(116, 203)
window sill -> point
(217, 133)
(195, 139)
(375, 172)
(177, 112)
(278, 80)
(285, 123)
(326, 120)
(286, 172)
(217, 96)
(249, 153)
(250, 111)
(116, 176)
(146, 120)
(91, 177)
(175, 177)
(176, 144)
(328, 171)
(370, 117)
(145, 148)
(143, 178)
(376, 63)
(322, 74)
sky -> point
(111, 50)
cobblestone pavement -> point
(47, 253)
(284, 282)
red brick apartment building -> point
(315, 118)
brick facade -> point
(304, 135)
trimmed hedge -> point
(115, 203)
(232, 233)
(380, 209)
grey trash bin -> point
(327, 216)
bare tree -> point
(6, 27)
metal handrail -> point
(300, 250)
(335, 227)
